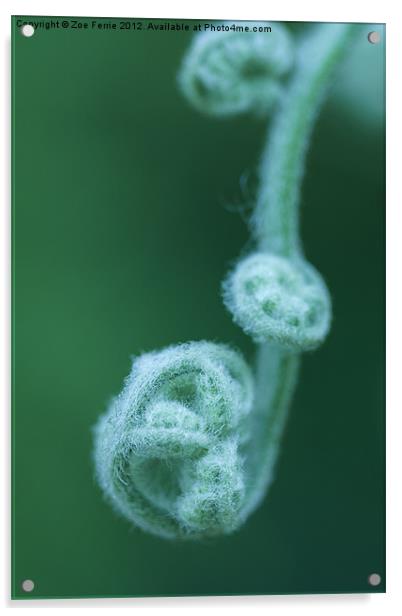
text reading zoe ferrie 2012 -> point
(102, 25)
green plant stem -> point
(276, 220)
(277, 229)
(276, 378)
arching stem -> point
(276, 229)
(276, 379)
(276, 219)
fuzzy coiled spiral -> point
(169, 449)
(275, 299)
(230, 72)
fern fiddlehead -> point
(236, 72)
(188, 449)
(275, 299)
(169, 450)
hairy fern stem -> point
(276, 217)
(276, 227)
(188, 448)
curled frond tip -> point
(275, 299)
(226, 73)
(168, 453)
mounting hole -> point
(27, 30)
(374, 37)
(28, 585)
(374, 579)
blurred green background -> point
(129, 208)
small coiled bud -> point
(168, 452)
(278, 300)
(226, 73)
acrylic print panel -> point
(198, 277)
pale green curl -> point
(226, 73)
(169, 451)
(283, 301)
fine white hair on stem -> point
(276, 216)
